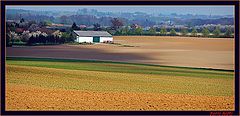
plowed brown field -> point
(37, 88)
(21, 97)
(215, 53)
(63, 84)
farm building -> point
(93, 36)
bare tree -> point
(116, 23)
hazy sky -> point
(200, 10)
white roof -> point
(92, 33)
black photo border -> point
(3, 56)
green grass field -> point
(118, 77)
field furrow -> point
(44, 85)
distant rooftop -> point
(92, 33)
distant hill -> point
(222, 21)
(90, 17)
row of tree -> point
(21, 33)
(31, 37)
(44, 39)
(117, 24)
(184, 32)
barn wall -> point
(84, 39)
(102, 39)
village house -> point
(82, 26)
(92, 36)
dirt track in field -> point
(174, 51)
(35, 98)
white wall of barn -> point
(90, 39)
(102, 39)
(84, 39)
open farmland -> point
(57, 84)
(217, 53)
(137, 73)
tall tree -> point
(205, 32)
(74, 26)
(163, 31)
(173, 32)
(125, 31)
(25, 36)
(228, 32)
(116, 23)
(184, 32)
(152, 31)
(194, 32)
(138, 31)
(217, 32)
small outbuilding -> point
(93, 36)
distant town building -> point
(92, 36)
(146, 28)
(135, 26)
(82, 26)
(57, 25)
(45, 30)
(19, 30)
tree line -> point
(118, 29)
(22, 33)
(183, 32)
(31, 36)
